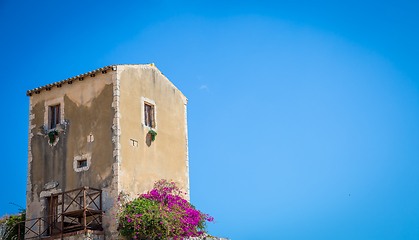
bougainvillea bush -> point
(159, 214)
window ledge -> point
(59, 129)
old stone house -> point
(90, 137)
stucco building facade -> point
(95, 130)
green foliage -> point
(13, 226)
(159, 214)
(51, 136)
(152, 135)
(149, 213)
(4, 219)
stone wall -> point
(81, 235)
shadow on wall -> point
(147, 140)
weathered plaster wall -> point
(167, 156)
(109, 107)
(88, 110)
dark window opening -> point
(149, 115)
(52, 209)
(81, 163)
(54, 116)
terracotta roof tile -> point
(110, 67)
(38, 89)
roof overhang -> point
(70, 80)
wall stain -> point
(55, 163)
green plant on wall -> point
(152, 135)
(52, 135)
(13, 223)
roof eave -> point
(69, 80)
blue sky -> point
(303, 116)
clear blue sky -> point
(293, 105)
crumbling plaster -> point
(88, 110)
(114, 164)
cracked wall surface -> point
(86, 110)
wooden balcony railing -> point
(70, 211)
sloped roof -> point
(78, 77)
(70, 80)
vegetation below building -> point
(8, 223)
(159, 214)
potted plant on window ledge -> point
(52, 136)
(152, 135)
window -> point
(149, 115)
(54, 112)
(54, 116)
(81, 163)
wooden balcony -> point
(71, 211)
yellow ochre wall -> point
(110, 106)
(167, 156)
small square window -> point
(81, 163)
(149, 115)
(54, 116)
